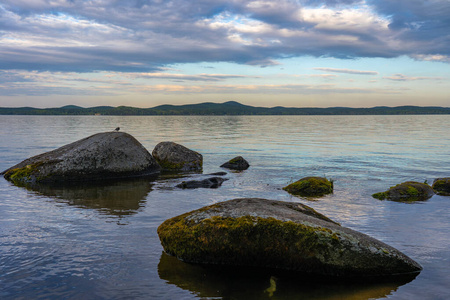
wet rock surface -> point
(281, 235)
(175, 157)
(310, 187)
(409, 191)
(102, 156)
(237, 163)
(212, 183)
(442, 186)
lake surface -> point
(100, 242)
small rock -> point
(175, 157)
(310, 187)
(212, 183)
(442, 186)
(237, 163)
(101, 156)
(406, 192)
(283, 235)
(218, 174)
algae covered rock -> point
(237, 163)
(175, 157)
(282, 235)
(100, 156)
(406, 192)
(310, 187)
(442, 186)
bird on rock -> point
(117, 129)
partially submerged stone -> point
(275, 234)
(175, 157)
(212, 183)
(101, 156)
(237, 163)
(442, 186)
(406, 192)
(310, 187)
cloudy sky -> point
(300, 53)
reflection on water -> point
(66, 242)
(118, 198)
(241, 283)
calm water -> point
(100, 241)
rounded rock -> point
(175, 157)
(275, 234)
(102, 156)
(442, 186)
(409, 191)
(310, 187)
(237, 163)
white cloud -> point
(348, 71)
(401, 77)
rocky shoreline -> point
(239, 232)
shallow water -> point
(99, 241)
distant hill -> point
(227, 108)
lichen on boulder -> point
(102, 156)
(310, 187)
(175, 157)
(283, 235)
(237, 163)
(409, 191)
(442, 186)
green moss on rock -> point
(310, 187)
(274, 234)
(442, 186)
(409, 191)
(27, 174)
(380, 196)
(243, 240)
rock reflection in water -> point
(118, 198)
(246, 283)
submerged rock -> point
(237, 163)
(406, 192)
(212, 183)
(310, 187)
(98, 157)
(442, 186)
(175, 157)
(275, 234)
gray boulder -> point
(175, 157)
(237, 163)
(282, 235)
(98, 157)
(212, 183)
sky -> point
(294, 53)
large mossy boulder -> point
(238, 163)
(102, 156)
(175, 157)
(275, 234)
(310, 187)
(442, 186)
(409, 191)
